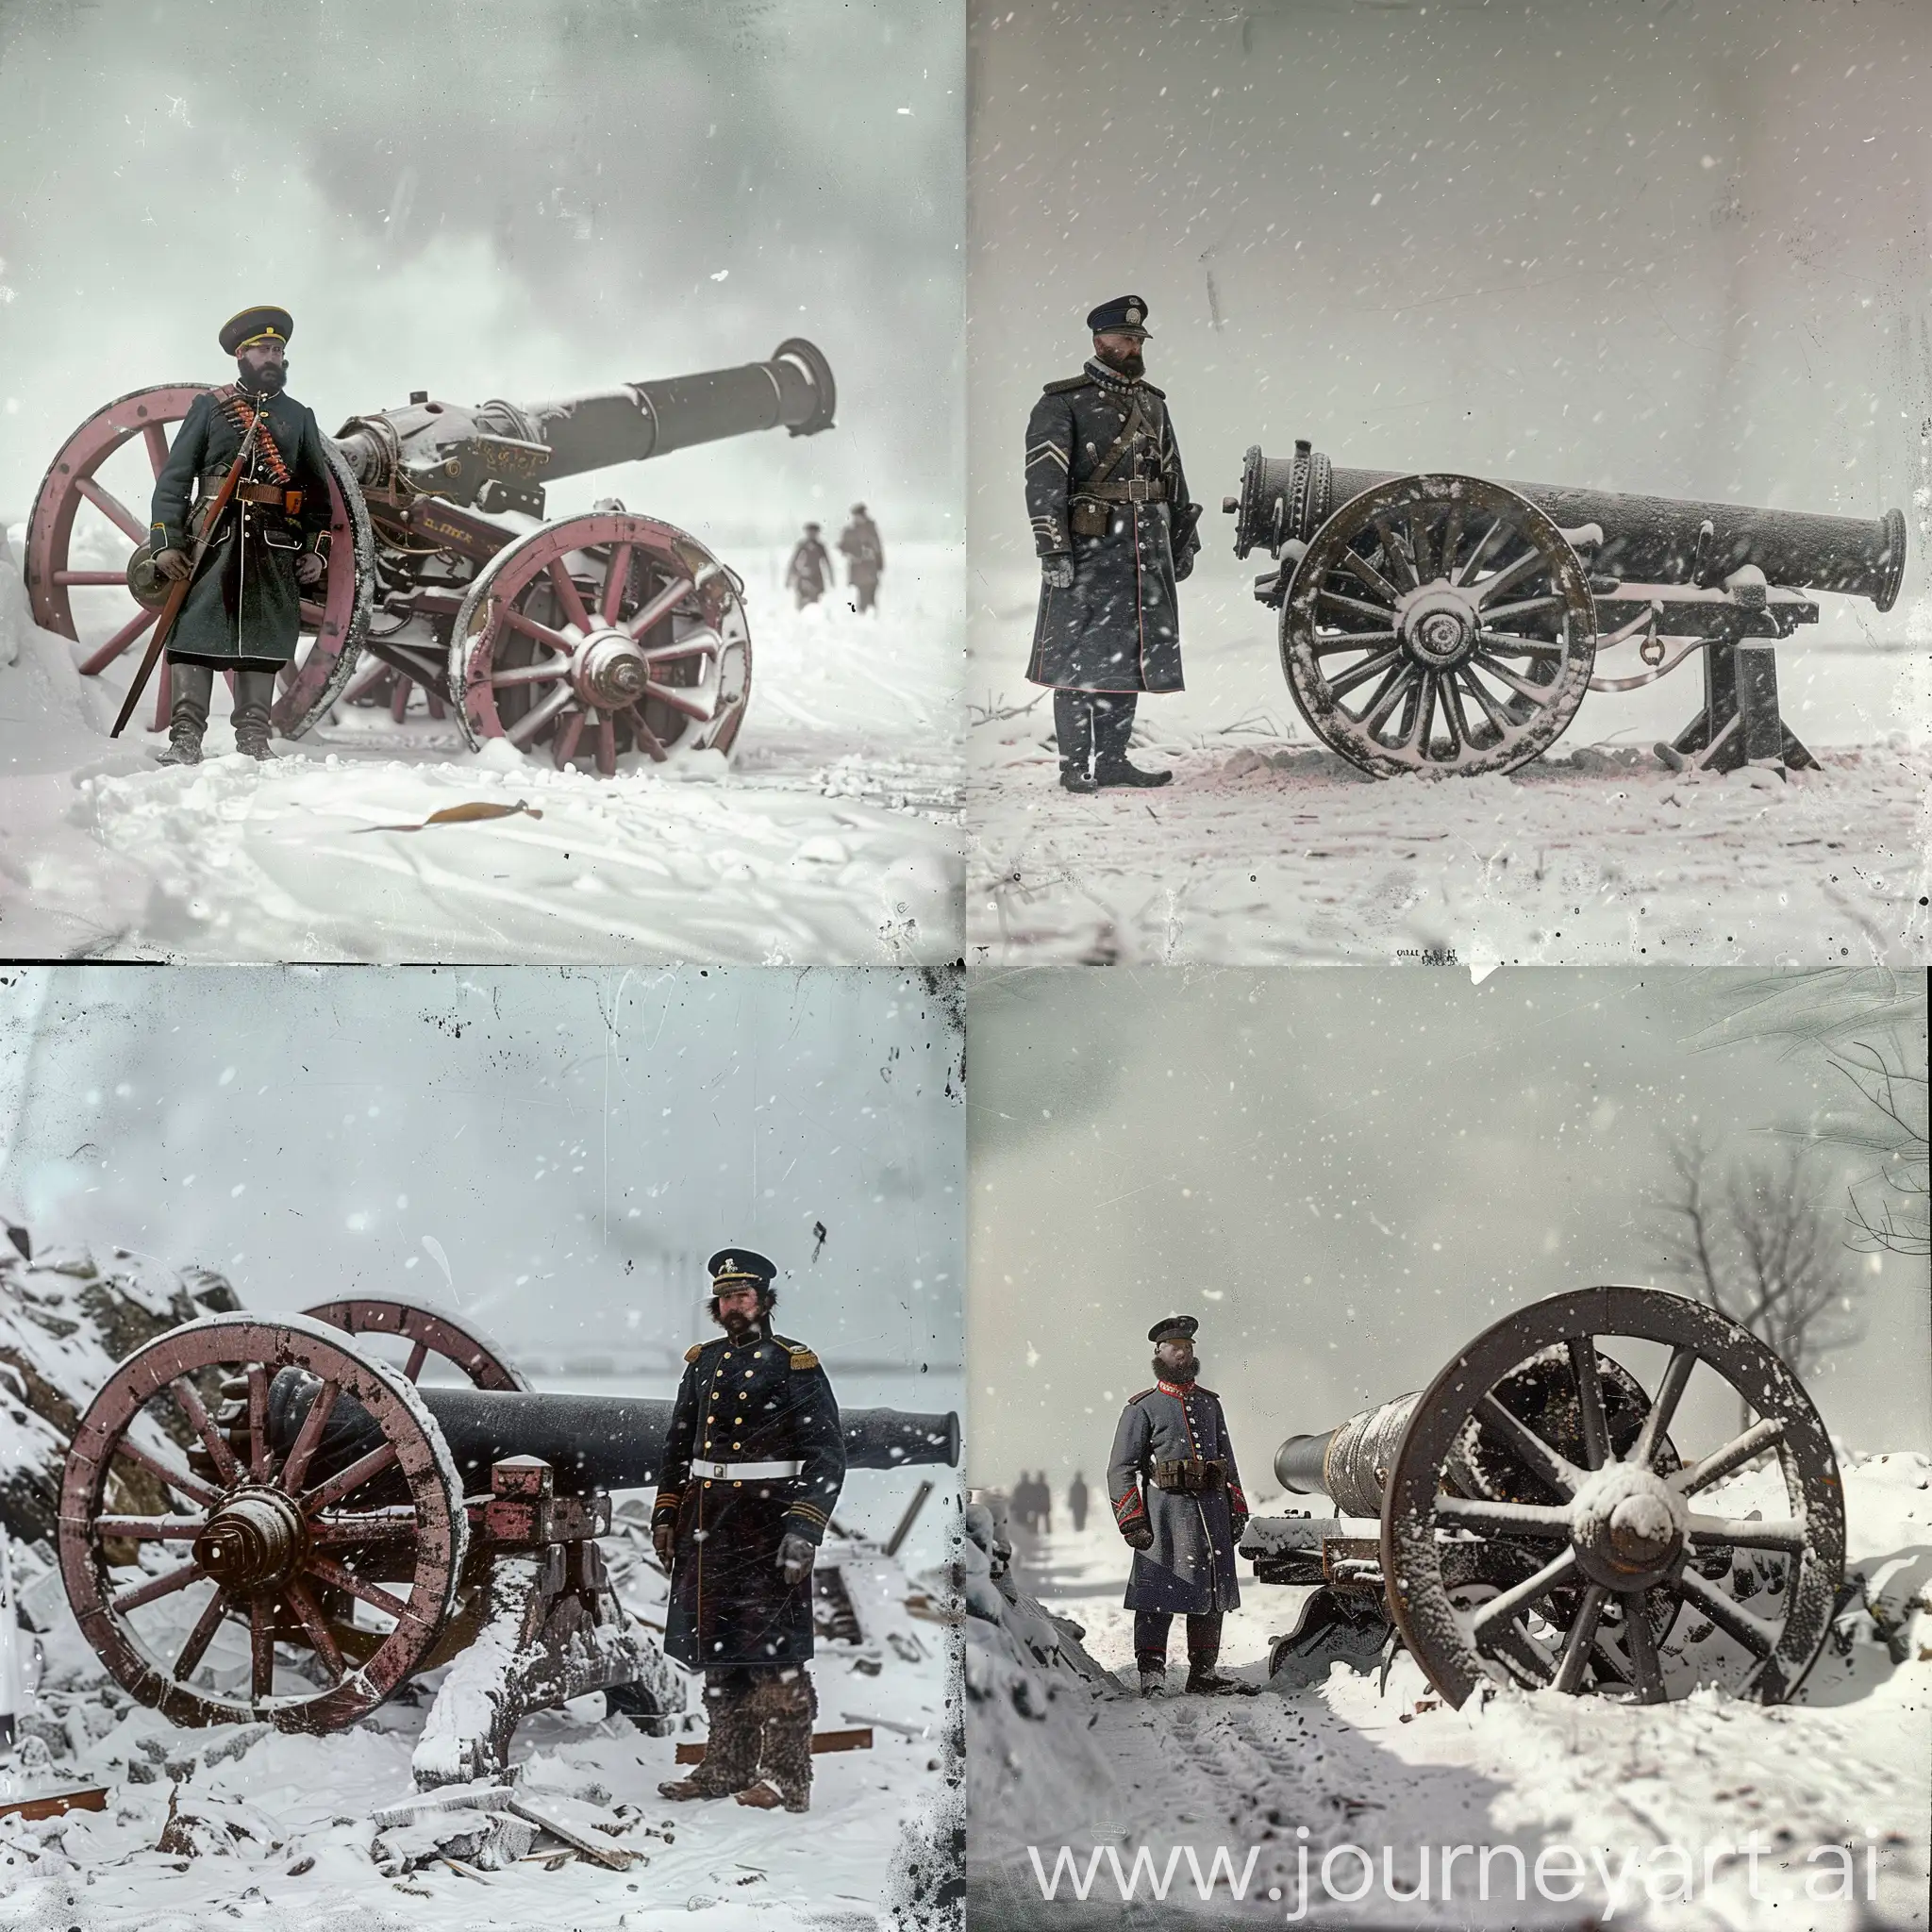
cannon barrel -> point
(593, 1442)
(1655, 540)
(1349, 1464)
(457, 453)
(651, 419)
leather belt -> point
(745, 1471)
(288, 501)
(1135, 490)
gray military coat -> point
(1118, 627)
(1189, 1570)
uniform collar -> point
(758, 1331)
(1182, 1388)
(1111, 379)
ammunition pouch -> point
(148, 587)
(1086, 516)
(1190, 1475)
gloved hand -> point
(665, 1541)
(1141, 1538)
(1183, 565)
(173, 564)
(795, 1553)
(310, 568)
(1236, 1523)
(1056, 567)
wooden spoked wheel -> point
(92, 513)
(228, 1592)
(1542, 1528)
(1438, 624)
(600, 634)
(429, 1332)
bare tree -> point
(1868, 1025)
(1753, 1237)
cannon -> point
(595, 635)
(266, 1517)
(1444, 624)
(1532, 1517)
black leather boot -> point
(1073, 726)
(254, 695)
(1114, 725)
(189, 688)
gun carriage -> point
(596, 635)
(1533, 1518)
(1444, 623)
(264, 1518)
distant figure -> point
(1076, 1502)
(810, 573)
(1043, 1500)
(865, 557)
(1023, 1502)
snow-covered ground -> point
(1268, 848)
(279, 1830)
(833, 838)
(1846, 1764)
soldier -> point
(810, 569)
(1076, 1502)
(1177, 1500)
(865, 557)
(1114, 532)
(753, 1467)
(243, 609)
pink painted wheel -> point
(93, 512)
(603, 634)
(429, 1332)
(285, 1509)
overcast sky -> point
(1675, 246)
(500, 198)
(1345, 1176)
(573, 1144)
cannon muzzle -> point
(591, 1441)
(1651, 540)
(1349, 1464)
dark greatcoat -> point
(865, 555)
(1118, 628)
(1189, 1569)
(759, 1399)
(245, 602)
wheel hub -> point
(609, 670)
(1438, 627)
(1630, 1528)
(252, 1541)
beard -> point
(270, 381)
(1186, 1373)
(734, 1321)
(1129, 363)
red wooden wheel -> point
(93, 512)
(429, 1332)
(257, 1540)
(602, 634)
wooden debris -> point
(52, 1804)
(465, 814)
(822, 1741)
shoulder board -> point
(1060, 388)
(223, 392)
(1152, 391)
(801, 1358)
(1142, 1395)
(1208, 1392)
(693, 1352)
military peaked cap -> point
(256, 325)
(734, 1267)
(1125, 315)
(1174, 1329)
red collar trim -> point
(1175, 1388)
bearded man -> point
(1115, 532)
(243, 611)
(1178, 1503)
(753, 1466)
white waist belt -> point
(745, 1471)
